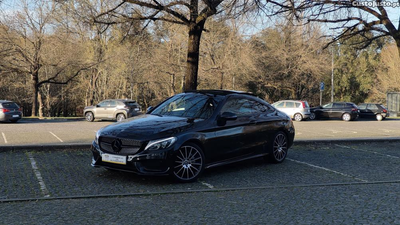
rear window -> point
(130, 103)
(10, 105)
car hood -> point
(89, 107)
(147, 127)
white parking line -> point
(4, 137)
(207, 184)
(326, 169)
(38, 175)
(56, 136)
(373, 152)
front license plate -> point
(117, 159)
(15, 116)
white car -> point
(297, 110)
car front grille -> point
(128, 146)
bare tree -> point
(28, 35)
(348, 18)
(191, 13)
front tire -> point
(188, 163)
(312, 116)
(346, 117)
(279, 148)
(89, 117)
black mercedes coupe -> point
(193, 131)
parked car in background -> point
(297, 110)
(9, 111)
(373, 110)
(192, 131)
(112, 109)
(343, 110)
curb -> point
(53, 147)
(45, 147)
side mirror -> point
(97, 106)
(149, 109)
(225, 117)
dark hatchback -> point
(9, 111)
(342, 110)
(373, 110)
(192, 131)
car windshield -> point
(193, 105)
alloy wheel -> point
(120, 117)
(312, 116)
(89, 117)
(298, 117)
(188, 163)
(279, 148)
(346, 117)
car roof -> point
(2, 101)
(220, 92)
(122, 100)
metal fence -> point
(393, 103)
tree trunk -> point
(398, 45)
(35, 81)
(192, 63)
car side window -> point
(372, 106)
(337, 105)
(113, 103)
(362, 106)
(104, 103)
(329, 105)
(289, 104)
(297, 104)
(245, 107)
(280, 105)
(241, 107)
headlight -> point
(160, 144)
(96, 139)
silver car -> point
(9, 111)
(112, 109)
(297, 110)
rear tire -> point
(89, 117)
(346, 117)
(120, 117)
(379, 117)
(278, 148)
(298, 117)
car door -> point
(336, 110)
(325, 110)
(289, 108)
(235, 137)
(101, 109)
(363, 110)
(372, 109)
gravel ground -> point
(320, 183)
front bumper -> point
(144, 163)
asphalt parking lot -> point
(319, 183)
(70, 132)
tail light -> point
(304, 105)
(20, 109)
(384, 110)
(354, 109)
(5, 110)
